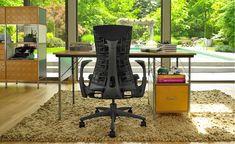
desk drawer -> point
(172, 98)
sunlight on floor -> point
(218, 108)
(202, 124)
(205, 125)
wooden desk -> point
(149, 55)
(159, 54)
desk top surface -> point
(159, 54)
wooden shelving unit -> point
(23, 21)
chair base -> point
(113, 112)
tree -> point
(98, 12)
(56, 19)
(200, 18)
(93, 12)
(45, 3)
(11, 3)
(143, 8)
(120, 8)
(179, 15)
(227, 22)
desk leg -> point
(73, 79)
(189, 82)
(177, 62)
(154, 88)
(149, 102)
(148, 67)
(59, 89)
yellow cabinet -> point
(172, 97)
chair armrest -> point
(84, 89)
(139, 91)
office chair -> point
(112, 77)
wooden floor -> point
(22, 99)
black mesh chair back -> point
(112, 49)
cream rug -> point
(211, 119)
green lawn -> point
(54, 49)
(51, 50)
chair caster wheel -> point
(130, 110)
(143, 124)
(112, 134)
(97, 111)
(81, 124)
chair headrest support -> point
(112, 32)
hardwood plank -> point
(20, 100)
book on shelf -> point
(171, 78)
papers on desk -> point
(162, 47)
(80, 46)
(168, 47)
(150, 49)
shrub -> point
(185, 41)
(157, 38)
(89, 38)
(50, 35)
(224, 48)
(217, 42)
(174, 40)
(55, 42)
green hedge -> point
(89, 38)
(224, 48)
(55, 42)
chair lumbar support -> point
(113, 112)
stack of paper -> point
(168, 47)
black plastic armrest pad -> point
(83, 64)
(83, 87)
(142, 64)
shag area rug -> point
(211, 119)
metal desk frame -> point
(153, 56)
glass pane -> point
(206, 27)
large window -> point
(144, 16)
(207, 28)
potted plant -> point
(208, 35)
(30, 37)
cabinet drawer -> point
(2, 16)
(2, 70)
(2, 54)
(22, 15)
(172, 98)
(22, 70)
(2, 51)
